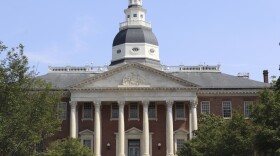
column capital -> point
(145, 102)
(97, 103)
(121, 103)
(194, 103)
(73, 104)
(169, 103)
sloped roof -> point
(64, 80)
(219, 80)
(206, 80)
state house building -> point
(138, 107)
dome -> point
(135, 35)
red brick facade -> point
(109, 127)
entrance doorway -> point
(133, 147)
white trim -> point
(184, 108)
(180, 134)
(208, 106)
(91, 112)
(64, 111)
(244, 109)
(111, 118)
(134, 134)
(230, 109)
(156, 118)
(129, 118)
(87, 135)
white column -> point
(121, 129)
(146, 128)
(194, 115)
(97, 129)
(190, 122)
(169, 129)
(73, 119)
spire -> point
(135, 16)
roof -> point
(64, 80)
(135, 35)
(206, 80)
(219, 80)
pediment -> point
(86, 132)
(181, 131)
(133, 76)
(133, 130)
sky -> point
(240, 35)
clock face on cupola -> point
(135, 41)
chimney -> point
(265, 76)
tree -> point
(28, 106)
(266, 116)
(67, 147)
(219, 137)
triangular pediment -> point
(133, 76)
(133, 130)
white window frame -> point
(180, 134)
(91, 114)
(184, 111)
(87, 135)
(230, 103)
(113, 118)
(201, 106)
(62, 110)
(130, 118)
(153, 118)
(249, 103)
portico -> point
(131, 88)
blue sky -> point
(241, 35)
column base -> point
(146, 155)
(121, 154)
(169, 154)
(97, 154)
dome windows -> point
(119, 51)
(152, 51)
(135, 50)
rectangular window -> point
(247, 111)
(128, 16)
(134, 15)
(227, 109)
(87, 142)
(152, 110)
(180, 110)
(62, 110)
(133, 111)
(87, 113)
(180, 144)
(205, 107)
(115, 111)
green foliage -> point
(28, 106)
(266, 116)
(219, 137)
(67, 147)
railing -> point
(93, 69)
(126, 24)
(101, 69)
(182, 68)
